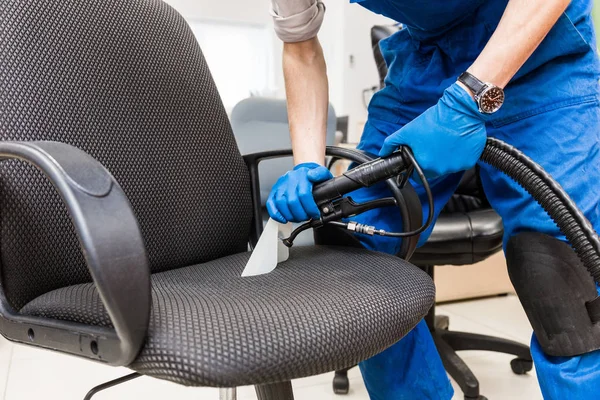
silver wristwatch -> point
(489, 97)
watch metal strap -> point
(471, 82)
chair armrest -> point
(114, 251)
(253, 160)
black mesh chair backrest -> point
(126, 82)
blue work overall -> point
(552, 114)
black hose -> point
(552, 197)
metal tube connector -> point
(360, 228)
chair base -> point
(449, 342)
(107, 385)
(341, 384)
(228, 394)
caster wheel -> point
(341, 384)
(520, 366)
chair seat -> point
(462, 238)
(326, 308)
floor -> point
(27, 373)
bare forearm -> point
(523, 27)
(307, 94)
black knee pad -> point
(557, 293)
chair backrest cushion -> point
(126, 82)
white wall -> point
(345, 37)
(252, 11)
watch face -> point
(491, 100)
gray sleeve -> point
(297, 20)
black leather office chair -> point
(467, 231)
(140, 266)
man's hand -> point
(291, 198)
(449, 137)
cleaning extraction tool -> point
(330, 196)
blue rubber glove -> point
(449, 137)
(291, 198)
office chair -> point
(126, 212)
(467, 231)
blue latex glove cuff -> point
(309, 165)
(459, 99)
